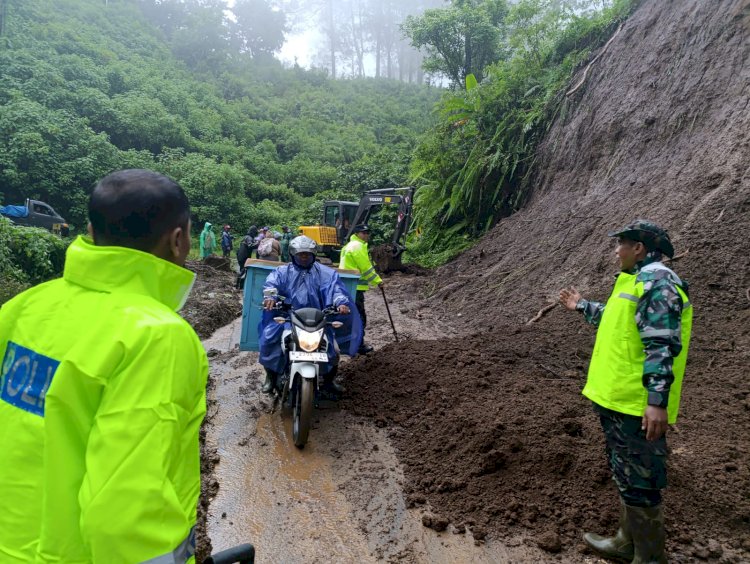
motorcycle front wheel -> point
(303, 411)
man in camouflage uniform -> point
(634, 380)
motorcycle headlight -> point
(309, 341)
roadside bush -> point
(28, 256)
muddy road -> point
(340, 499)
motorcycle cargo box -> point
(252, 301)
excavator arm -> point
(386, 196)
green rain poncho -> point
(207, 241)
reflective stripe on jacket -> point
(615, 377)
(115, 395)
(355, 256)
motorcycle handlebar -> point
(242, 554)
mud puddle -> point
(340, 499)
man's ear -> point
(640, 249)
(175, 241)
(178, 245)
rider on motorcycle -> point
(304, 282)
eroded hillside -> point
(491, 428)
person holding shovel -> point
(634, 381)
(355, 256)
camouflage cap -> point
(647, 232)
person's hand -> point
(654, 422)
(569, 297)
(268, 304)
(382, 284)
(344, 309)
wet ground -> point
(341, 498)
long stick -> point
(395, 335)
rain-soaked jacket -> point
(356, 256)
(102, 394)
(318, 287)
(207, 241)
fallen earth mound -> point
(495, 436)
(214, 301)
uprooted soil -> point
(491, 427)
(214, 301)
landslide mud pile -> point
(491, 428)
(214, 301)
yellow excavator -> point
(339, 219)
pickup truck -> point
(36, 214)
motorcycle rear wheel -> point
(303, 411)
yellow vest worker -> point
(102, 394)
(635, 380)
(356, 256)
(615, 379)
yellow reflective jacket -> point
(102, 394)
(355, 256)
(616, 370)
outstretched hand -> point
(569, 297)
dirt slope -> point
(491, 428)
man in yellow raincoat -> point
(356, 256)
(102, 390)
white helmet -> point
(302, 244)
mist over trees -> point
(357, 38)
(364, 37)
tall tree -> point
(260, 27)
(461, 39)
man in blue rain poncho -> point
(307, 283)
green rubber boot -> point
(618, 547)
(647, 527)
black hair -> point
(135, 208)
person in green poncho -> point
(207, 241)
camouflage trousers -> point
(639, 467)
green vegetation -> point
(28, 256)
(87, 87)
(473, 167)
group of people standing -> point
(263, 243)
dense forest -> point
(88, 86)
(193, 88)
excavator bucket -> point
(385, 259)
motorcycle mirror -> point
(279, 320)
(337, 324)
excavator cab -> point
(339, 219)
(340, 216)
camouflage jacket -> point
(658, 317)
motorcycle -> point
(305, 347)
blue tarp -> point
(14, 211)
